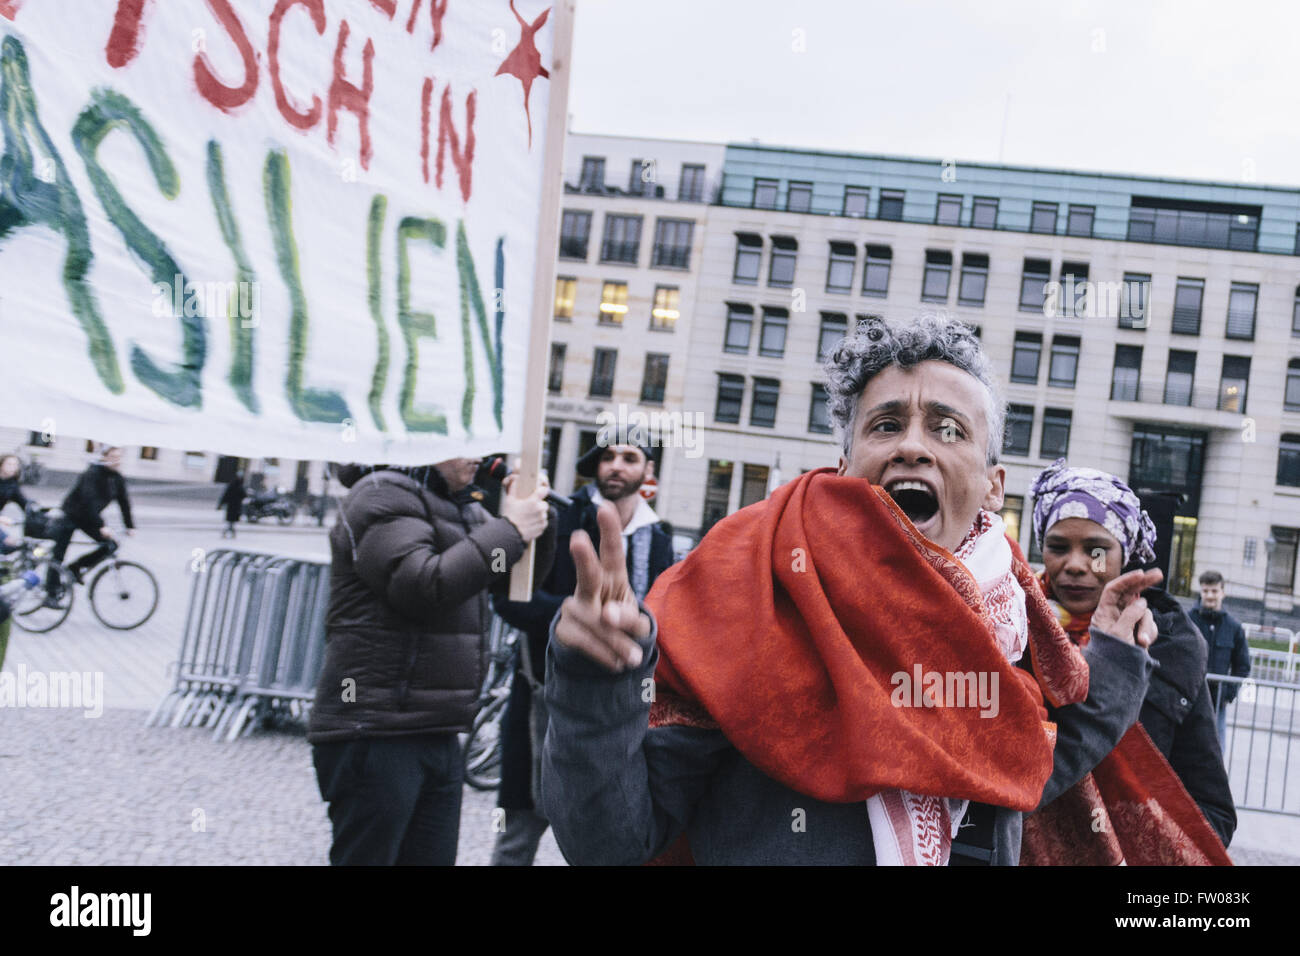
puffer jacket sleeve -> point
(397, 555)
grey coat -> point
(618, 792)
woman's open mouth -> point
(917, 499)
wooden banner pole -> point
(548, 241)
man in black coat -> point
(413, 556)
(1229, 652)
(618, 470)
(97, 486)
(233, 500)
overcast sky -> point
(1186, 89)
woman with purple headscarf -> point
(1090, 526)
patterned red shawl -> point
(784, 628)
(1132, 808)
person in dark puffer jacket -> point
(414, 556)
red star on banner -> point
(525, 61)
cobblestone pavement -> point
(77, 791)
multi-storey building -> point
(1148, 327)
(631, 235)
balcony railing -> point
(573, 247)
(619, 251)
(674, 257)
(1175, 395)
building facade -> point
(1147, 327)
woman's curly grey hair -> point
(877, 344)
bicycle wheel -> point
(123, 594)
(483, 748)
(32, 614)
(287, 516)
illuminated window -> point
(664, 314)
(566, 290)
(613, 303)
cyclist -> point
(11, 476)
(98, 485)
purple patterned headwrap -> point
(1060, 492)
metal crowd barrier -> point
(253, 644)
(1261, 738)
(1269, 664)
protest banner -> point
(300, 228)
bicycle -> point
(123, 593)
(482, 747)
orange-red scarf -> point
(1132, 808)
(784, 629)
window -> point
(1074, 289)
(938, 270)
(749, 253)
(780, 270)
(891, 205)
(1043, 217)
(819, 417)
(622, 242)
(839, 274)
(1178, 378)
(1055, 440)
(984, 213)
(1232, 384)
(1024, 357)
(1124, 379)
(855, 201)
(1078, 222)
(1241, 311)
(1288, 461)
(875, 276)
(1295, 313)
(1033, 284)
(753, 485)
(799, 197)
(731, 392)
(1291, 400)
(762, 412)
(1063, 368)
(948, 210)
(1248, 553)
(1013, 507)
(566, 291)
(1133, 303)
(613, 303)
(641, 180)
(1280, 576)
(974, 279)
(672, 243)
(656, 378)
(690, 188)
(717, 493)
(1187, 306)
(602, 373)
(575, 228)
(664, 313)
(771, 339)
(1193, 223)
(1020, 423)
(740, 322)
(764, 193)
(555, 379)
(148, 453)
(593, 174)
(835, 325)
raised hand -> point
(1122, 611)
(602, 617)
